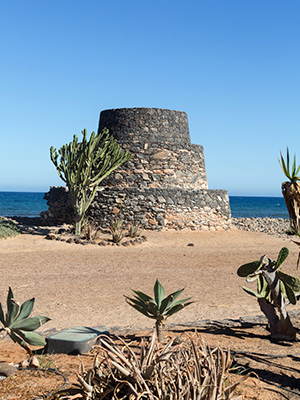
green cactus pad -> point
(248, 269)
(251, 292)
(289, 293)
(283, 254)
(292, 281)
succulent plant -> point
(190, 369)
(160, 307)
(116, 230)
(19, 326)
(133, 230)
(291, 190)
(84, 165)
(275, 289)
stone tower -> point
(164, 185)
(162, 153)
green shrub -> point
(8, 228)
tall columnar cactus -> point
(275, 290)
(84, 165)
(19, 326)
(159, 308)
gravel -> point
(271, 226)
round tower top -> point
(147, 125)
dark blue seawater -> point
(28, 204)
(258, 207)
(22, 204)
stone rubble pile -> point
(271, 226)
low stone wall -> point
(151, 208)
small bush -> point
(8, 228)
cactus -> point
(159, 308)
(275, 290)
(19, 326)
(84, 165)
(291, 190)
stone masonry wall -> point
(159, 142)
(164, 185)
(150, 208)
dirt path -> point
(84, 285)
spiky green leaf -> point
(13, 312)
(177, 308)
(152, 308)
(26, 309)
(293, 174)
(32, 338)
(16, 338)
(2, 315)
(142, 295)
(248, 269)
(168, 300)
(283, 254)
(9, 305)
(29, 324)
(159, 293)
(141, 310)
(178, 302)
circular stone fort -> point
(164, 185)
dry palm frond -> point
(186, 371)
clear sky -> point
(231, 65)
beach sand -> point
(78, 285)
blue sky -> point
(232, 65)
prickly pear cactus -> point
(275, 289)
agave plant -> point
(291, 190)
(19, 326)
(275, 290)
(117, 231)
(160, 307)
(188, 370)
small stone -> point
(162, 155)
(152, 221)
(118, 176)
(191, 244)
(145, 177)
(115, 210)
(7, 369)
(169, 171)
(70, 240)
(51, 236)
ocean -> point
(22, 204)
(29, 204)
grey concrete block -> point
(75, 340)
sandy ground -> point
(78, 285)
